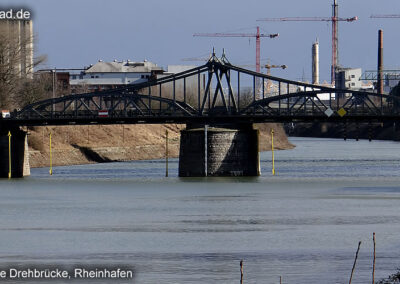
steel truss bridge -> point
(217, 92)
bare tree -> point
(14, 51)
(32, 90)
(79, 89)
(246, 97)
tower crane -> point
(257, 35)
(334, 19)
(391, 16)
(269, 67)
(195, 59)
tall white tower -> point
(18, 35)
(315, 62)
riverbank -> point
(392, 279)
(373, 131)
(72, 145)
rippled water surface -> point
(303, 224)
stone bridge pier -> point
(219, 150)
(19, 153)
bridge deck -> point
(216, 92)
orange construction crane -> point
(334, 19)
(256, 35)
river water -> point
(303, 224)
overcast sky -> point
(76, 33)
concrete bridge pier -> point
(19, 153)
(219, 150)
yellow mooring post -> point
(272, 148)
(51, 158)
(166, 153)
(373, 264)
(9, 154)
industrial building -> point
(390, 81)
(17, 35)
(108, 75)
(173, 69)
(348, 78)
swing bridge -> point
(219, 95)
(216, 92)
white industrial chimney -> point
(315, 63)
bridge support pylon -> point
(219, 150)
(19, 153)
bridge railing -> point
(216, 89)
